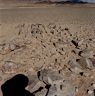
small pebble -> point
(93, 85)
(12, 47)
(90, 92)
(76, 89)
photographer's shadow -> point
(16, 86)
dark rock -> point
(75, 43)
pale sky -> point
(90, 0)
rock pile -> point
(52, 84)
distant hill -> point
(44, 1)
(71, 2)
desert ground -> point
(58, 42)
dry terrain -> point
(51, 45)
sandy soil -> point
(29, 41)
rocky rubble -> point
(54, 59)
(53, 84)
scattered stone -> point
(75, 43)
(76, 89)
(42, 75)
(76, 51)
(90, 91)
(67, 29)
(61, 89)
(50, 77)
(52, 91)
(74, 66)
(55, 42)
(12, 47)
(80, 42)
(93, 61)
(38, 64)
(85, 63)
(94, 85)
(5, 48)
(41, 93)
(10, 67)
(87, 54)
(93, 40)
(51, 26)
(81, 73)
(55, 78)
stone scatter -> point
(57, 62)
(52, 84)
